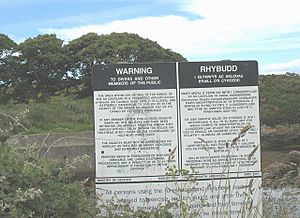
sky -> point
(200, 30)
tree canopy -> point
(43, 66)
(8, 65)
(44, 62)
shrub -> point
(37, 187)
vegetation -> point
(280, 101)
(43, 75)
(36, 187)
(280, 104)
(41, 80)
(91, 49)
(59, 114)
(44, 66)
(31, 186)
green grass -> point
(59, 114)
(280, 105)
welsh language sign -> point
(165, 130)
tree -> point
(43, 67)
(92, 49)
(8, 66)
(84, 52)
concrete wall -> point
(62, 147)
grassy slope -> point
(60, 114)
(281, 104)
(280, 96)
(280, 111)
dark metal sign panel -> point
(134, 76)
(218, 74)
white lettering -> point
(218, 68)
(134, 70)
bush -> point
(280, 99)
(37, 187)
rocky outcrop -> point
(281, 136)
(285, 173)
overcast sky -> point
(201, 30)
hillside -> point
(280, 113)
(280, 99)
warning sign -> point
(198, 117)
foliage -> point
(124, 210)
(44, 66)
(185, 192)
(8, 65)
(34, 187)
(92, 49)
(37, 187)
(59, 114)
(280, 205)
(280, 102)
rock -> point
(282, 174)
(278, 169)
(292, 158)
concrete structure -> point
(62, 147)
